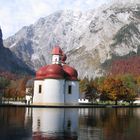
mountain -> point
(131, 65)
(9, 62)
(92, 40)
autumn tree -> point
(84, 85)
(114, 88)
(98, 83)
(88, 88)
(138, 85)
(108, 89)
(131, 86)
(3, 84)
(17, 88)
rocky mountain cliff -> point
(92, 39)
(9, 62)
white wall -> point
(74, 96)
(55, 59)
(38, 97)
(53, 91)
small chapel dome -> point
(71, 73)
(55, 71)
(41, 72)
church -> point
(57, 83)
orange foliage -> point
(116, 88)
(17, 88)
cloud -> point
(14, 14)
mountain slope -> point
(91, 39)
(9, 62)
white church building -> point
(57, 83)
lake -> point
(19, 123)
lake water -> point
(69, 124)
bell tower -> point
(56, 55)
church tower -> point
(56, 55)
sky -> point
(14, 14)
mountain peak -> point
(91, 39)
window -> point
(38, 124)
(69, 89)
(69, 124)
(40, 89)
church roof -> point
(57, 71)
(71, 73)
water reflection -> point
(55, 124)
(109, 124)
(69, 124)
(12, 124)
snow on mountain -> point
(89, 38)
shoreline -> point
(70, 106)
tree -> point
(109, 90)
(17, 88)
(112, 89)
(4, 83)
(84, 85)
(131, 86)
(88, 88)
(131, 96)
(138, 85)
(21, 90)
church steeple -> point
(56, 55)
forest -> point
(123, 88)
(13, 86)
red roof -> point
(41, 72)
(57, 51)
(71, 73)
(55, 71)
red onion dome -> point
(71, 73)
(57, 51)
(41, 72)
(55, 71)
